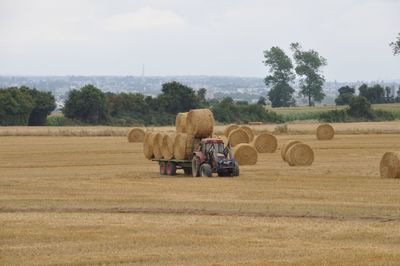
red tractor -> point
(210, 156)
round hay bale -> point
(167, 147)
(157, 145)
(148, 143)
(180, 122)
(136, 135)
(287, 146)
(265, 142)
(238, 136)
(325, 132)
(245, 154)
(299, 154)
(390, 165)
(183, 146)
(249, 131)
(200, 123)
(229, 129)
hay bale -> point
(238, 136)
(265, 142)
(148, 143)
(200, 123)
(390, 165)
(325, 132)
(180, 122)
(245, 154)
(229, 129)
(183, 146)
(249, 131)
(136, 135)
(167, 147)
(157, 145)
(287, 146)
(299, 154)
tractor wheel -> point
(195, 166)
(205, 170)
(163, 168)
(187, 171)
(171, 168)
(235, 171)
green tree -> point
(87, 104)
(360, 107)
(281, 75)
(44, 103)
(396, 45)
(374, 94)
(176, 97)
(15, 106)
(346, 93)
(262, 101)
(308, 67)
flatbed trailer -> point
(169, 167)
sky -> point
(195, 37)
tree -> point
(281, 75)
(262, 101)
(15, 106)
(308, 67)
(374, 94)
(396, 46)
(360, 107)
(44, 103)
(346, 93)
(176, 97)
(87, 105)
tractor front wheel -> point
(205, 170)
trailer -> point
(169, 167)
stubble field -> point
(96, 200)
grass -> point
(96, 200)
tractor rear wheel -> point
(195, 166)
(205, 170)
(171, 168)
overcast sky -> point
(194, 37)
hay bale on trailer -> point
(299, 154)
(183, 146)
(136, 135)
(148, 144)
(325, 132)
(180, 122)
(229, 129)
(265, 142)
(287, 146)
(200, 123)
(157, 143)
(389, 166)
(238, 136)
(245, 154)
(167, 147)
(249, 131)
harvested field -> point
(97, 200)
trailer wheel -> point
(163, 168)
(171, 168)
(205, 170)
(195, 166)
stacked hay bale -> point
(191, 127)
(296, 153)
(136, 134)
(389, 166)
(325, 132)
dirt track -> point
(85, 200)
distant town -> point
(239, 88)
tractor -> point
(210, 156)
